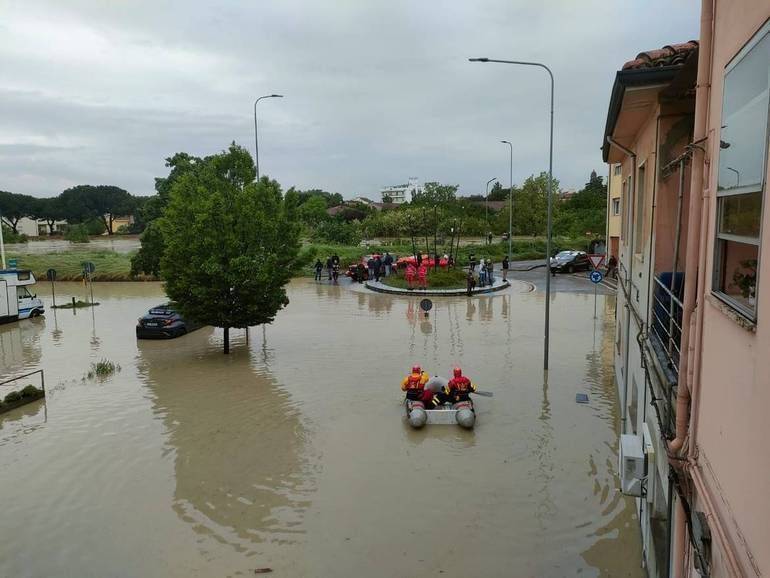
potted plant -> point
(745, 279)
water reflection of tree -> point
(237, 438)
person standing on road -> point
(422, 276)
(482, 273)
(377, 268)
(490, 272)
(329, 265)
(506, 265)
(319, 267)
(370, 266)
(472, 261)
(388, 262)
(410, 274)
(471, 282)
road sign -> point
(51, 275)
(596, 261)
(426, 305)
(596, 276)
(88, 266)
(12, 263)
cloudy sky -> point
(376, 90)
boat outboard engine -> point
(465, 415)
(416, 414)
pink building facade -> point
(689, 125)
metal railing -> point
(667, 320)
(18, 377)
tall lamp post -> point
(2, 243)
(486, 202)
(510, 201)
(256, 137)
(550, 203)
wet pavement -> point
(292, 453)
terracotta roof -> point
(669, 55)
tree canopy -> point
(230, 243)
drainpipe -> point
(700, 133)
(629, 272)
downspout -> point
(629, 273)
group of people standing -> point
(332, 268)
(482, 273)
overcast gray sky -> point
(376, 91)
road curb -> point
(438, 292)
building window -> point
(624, 219)
(639, 212)
(617, 169)
(616, 206)
(741, 178)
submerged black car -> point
(163, 322)
(569, 262)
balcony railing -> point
(666, 329)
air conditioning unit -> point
(631, 465)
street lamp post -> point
(2, 243)
(550, 203)
(510, 201)
(486, 202)
(256, 137)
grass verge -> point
(439, 279)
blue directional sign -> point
(596, 276)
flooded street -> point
(292, 453)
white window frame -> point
(615, 206)
(716, 273)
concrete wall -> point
(732, 426)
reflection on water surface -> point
(291, 453)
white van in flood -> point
(16, 302)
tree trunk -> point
(107, 224)
(50, 226)
(227, 340)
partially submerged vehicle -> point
(163, 322)
(16, 302)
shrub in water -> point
(103, 368)
(12, 397)
(30, 391)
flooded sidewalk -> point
(292, 452)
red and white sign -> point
(596, 260)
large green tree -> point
(50, 210)
(230, 243)
(586, 211)
(147, 259)
(435, 194)
(14, 207)
(104, 202)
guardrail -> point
(18, 377)
(667, 319)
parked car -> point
(163, 322)
(569, 262)
(429, 261)
(353, 267)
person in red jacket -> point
(414, 386)
(459, 387)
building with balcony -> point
(398, 194)
(688, 126)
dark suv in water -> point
(163, 322)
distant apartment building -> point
(39, 227)
(399, 194)
(688, 126)
(614, 203)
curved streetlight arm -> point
(256, 137)
(550, 202)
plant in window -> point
(745, 278)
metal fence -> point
(667, 318)
(18, 377)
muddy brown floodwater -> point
(292, 453)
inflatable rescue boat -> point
(461, 413)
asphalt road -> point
(534, 272)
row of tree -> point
(78, 204)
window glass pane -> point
(741, 214)
(737, 272)
(639, 212)
(744, 118)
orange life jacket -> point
(415, 381)
(459, 385)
